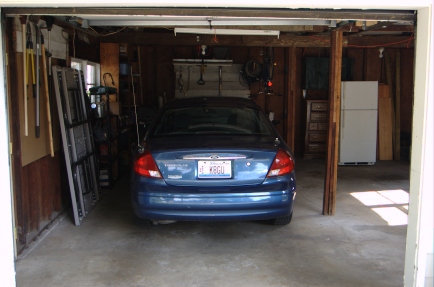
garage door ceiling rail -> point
(285, 20)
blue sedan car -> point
(212, 159)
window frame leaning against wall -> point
(92, 75)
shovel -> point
(201, 81)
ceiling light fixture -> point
(241, 32)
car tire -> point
(141, 222)
(284, 220)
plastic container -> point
(124, 69)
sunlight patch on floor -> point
(392, 215)
(387, 204)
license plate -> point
(214, 169)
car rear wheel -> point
(282, 220)
(141, 222)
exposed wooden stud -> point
(389, 82)
(46, 201)
(59, 174)
(291, 104)
(156, 65)
(397, 126)
(34, 176)
(286, 89)
(15, 67)
(329, 200)
(25, 210)
(384, 148)
(140, 88)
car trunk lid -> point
(214, 161)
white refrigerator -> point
(358, 129)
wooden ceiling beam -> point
(285, 40)
(384, 28)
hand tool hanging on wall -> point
(111, 77)
(37, 104)
(30, 58)
(49, 21)
(35, 71)
(23, 20)
(202, 70)
(47, 96)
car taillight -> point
(283, 164)
(145, 165)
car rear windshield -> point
(212, 120)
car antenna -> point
(139, 147)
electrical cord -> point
(108, 34)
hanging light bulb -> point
(381, 52)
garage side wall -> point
(38, 189)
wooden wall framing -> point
(330, 183)
(37, 185)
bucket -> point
(100, 110)
(124, 69)
(95, 98)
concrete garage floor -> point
(356, 247)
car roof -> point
(211, 101)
